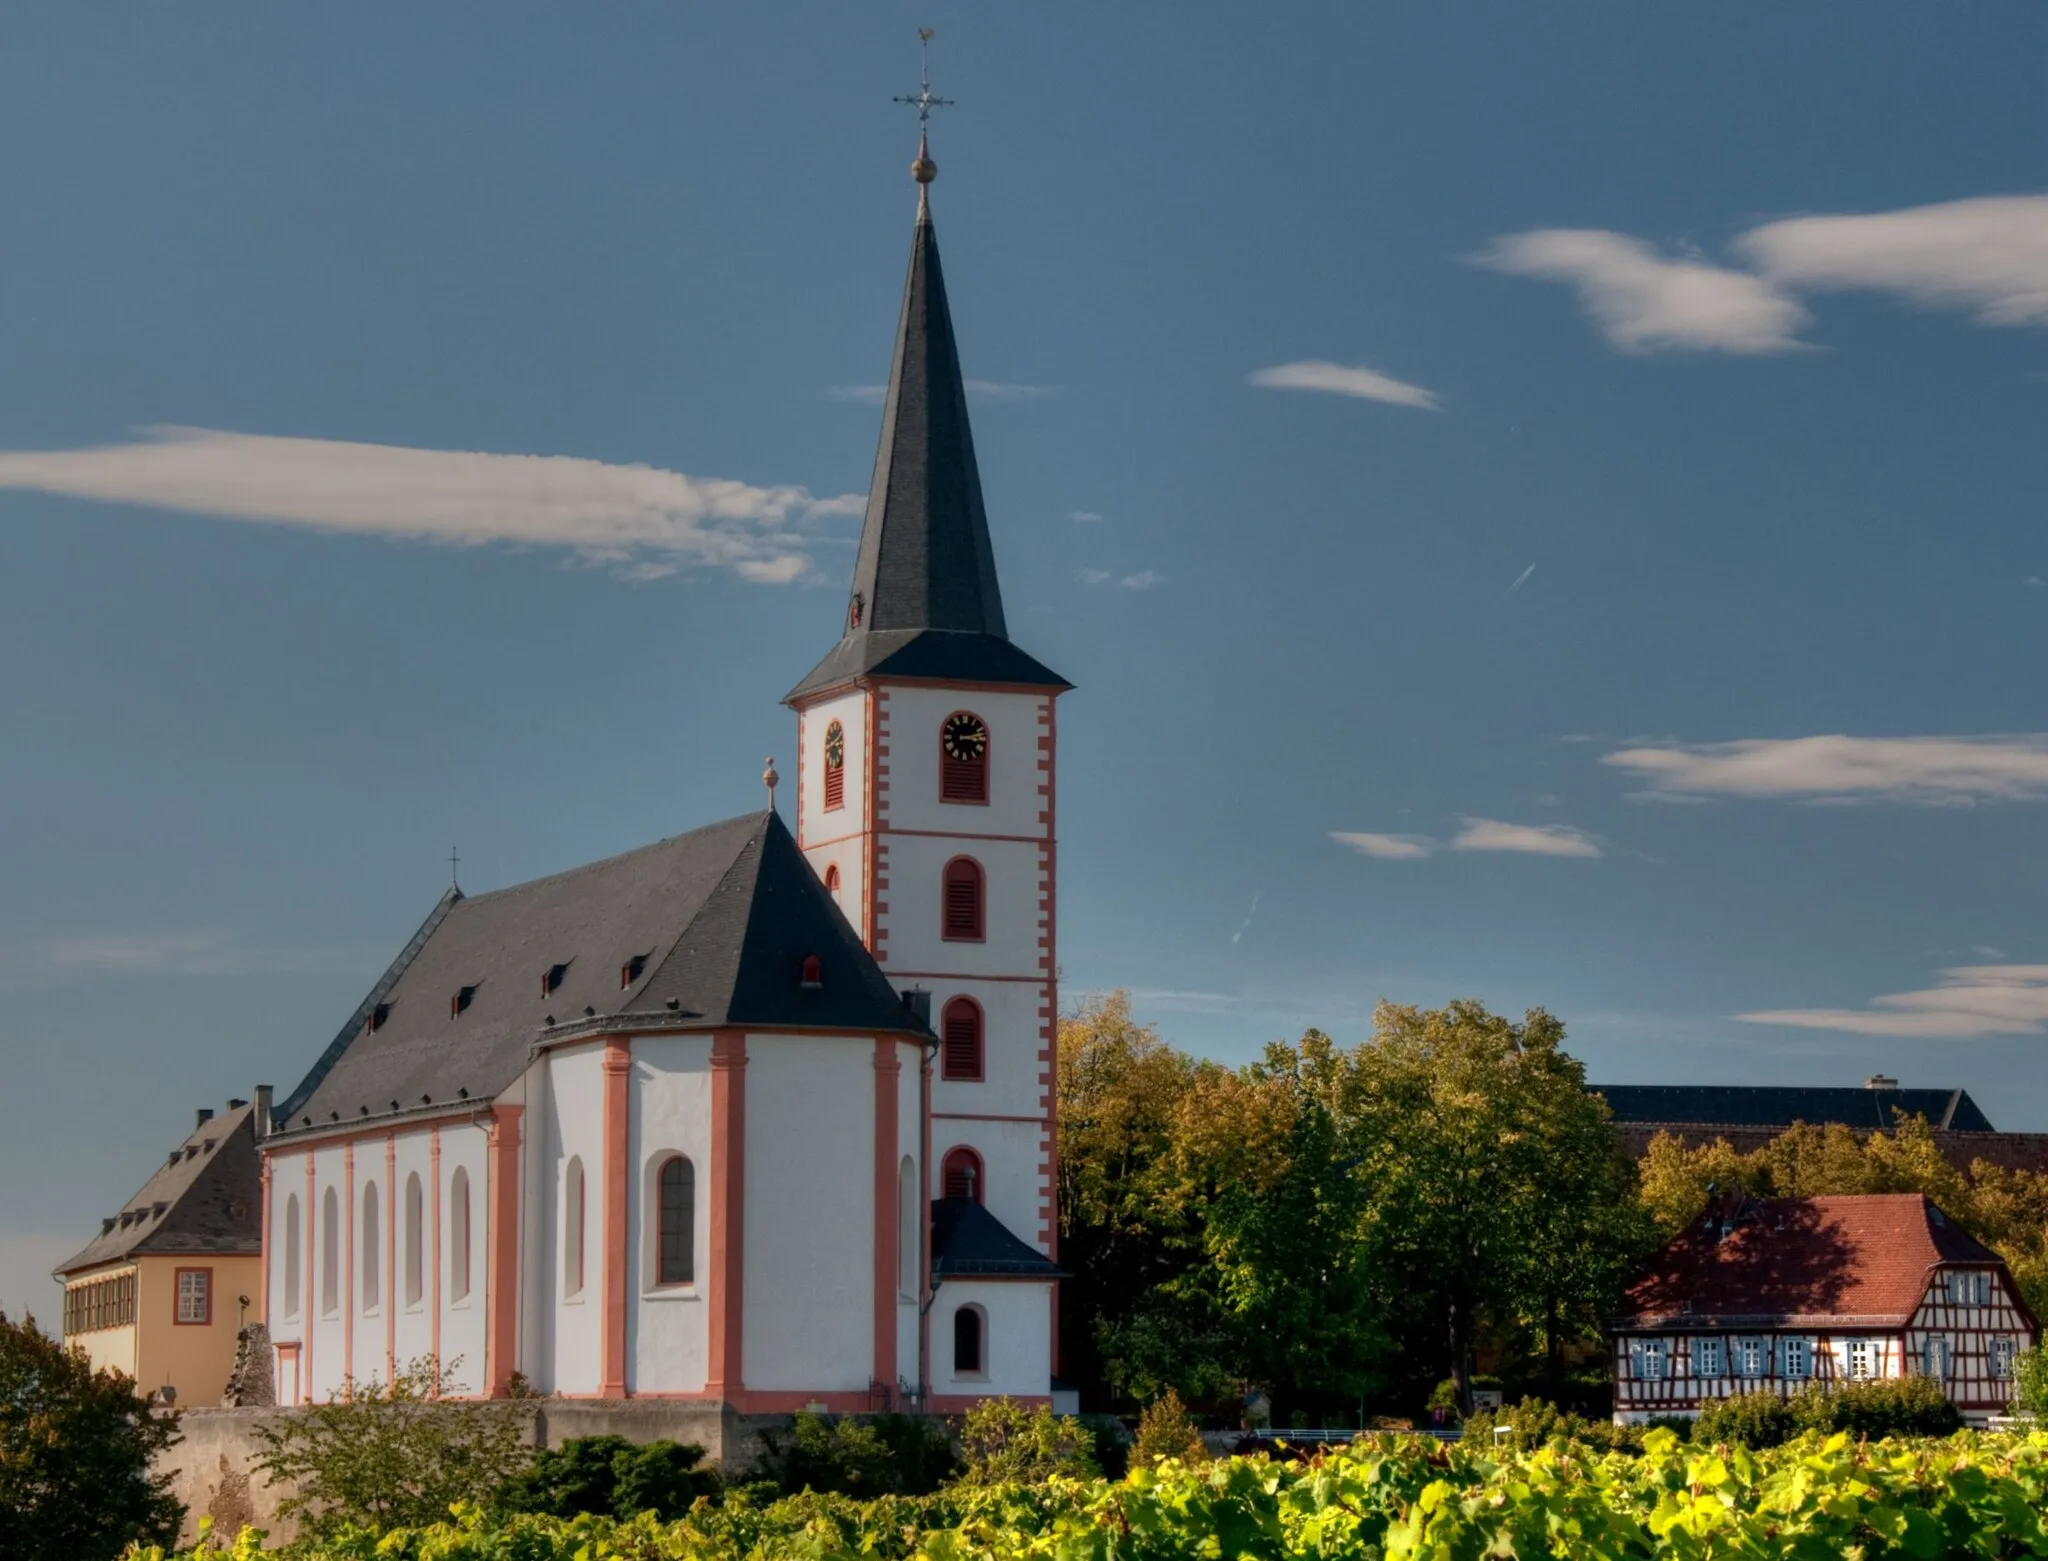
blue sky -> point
(1540, 503)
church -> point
(761, 1114)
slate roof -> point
(721, 919)
(1801, 1263)
(925, 576)
(968, 1242)
(205, 1198)
(1768, 1105)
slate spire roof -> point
(703, 931)
(925, 602)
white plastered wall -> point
(1016, 1338)
(835, 837)
(667, 1332)
(565, 1121)
(914, 719)
(464, 1148)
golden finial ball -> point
(924, 170)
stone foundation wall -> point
(213, 1469)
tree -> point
(75, 1451)
(380, 1456)
(1003, 1443)
(610, 1476)
(1167, 1430)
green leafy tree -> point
(882, 1455)
(75, 1452)
(1167, 1430)
(1004, 1443)
(2030, 1383)
(612, 1476)
(401, 1454)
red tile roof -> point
(1801, 1262)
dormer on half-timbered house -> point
(1773, 1294)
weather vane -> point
(924, 170)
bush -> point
(75, 1451)
(1890, 1406)
(1167, 1430)
(393, 1455)
(1754, 1420)
(1109, 1443)
(2030, 1383)
(883, 1455)
(610, 1476)
(1002, 1443)
(1534, 1423)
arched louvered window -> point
(963, 758)
(415, 1240)
(970, 1343)
(293, 1256)
(676, 1192)
(832, 882)
(960, 1175)
(960, 1033)
(964, 915)
(835, 767)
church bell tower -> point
(926, 801)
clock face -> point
(835, 746)
(964, 737)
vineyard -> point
(1379, 1500)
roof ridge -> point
(568, 874)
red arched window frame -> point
(963, 915)
(835, 766)
(963, 777)
(960, 1037)
(960, 1175)
(832, 881)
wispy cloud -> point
(620, 515)
(1246, 925)
(1970, 1001)
(1521, 579)
(1987, 255)
(980, 389)
(1927, 770)
(1085, 517)
(1143, 580)
(1643, 300)
(1339, 379)
(1478, 834)
(1388, 848)
(199, 951)
(1490, 834)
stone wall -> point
(213, 1468)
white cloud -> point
(1490, 834)
(1388, 848)
(603, 512)
(1086, 517)
(1847, 769)
(1339, 380)
(1970, 1001)
(873, 395)
(1988, 255)
(1097, 576)
(1521, 579)
(1643, 300)
(1143, 580)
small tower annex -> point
(926, 802)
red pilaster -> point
(888, 1074)
(501, 1336)
(726, 1280)
(618, 1073)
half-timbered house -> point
(1773, 1294)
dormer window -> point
(378, 1015)
(460, 1002)
(963, 758)
(632, 970)
(853, 611)
(835, 766)
(813, 973)
(551, 978)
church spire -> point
(925, 602)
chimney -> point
(203, 1116)
(263, 1111)
(1880, 1081)
(918, 1003)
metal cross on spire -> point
(926, 100)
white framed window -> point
(1649, 1359)
(292, 1275)
(1752, 1356)
(1969, 1287)
(2002, 1352)
(1709, 1357)
(1795, 1359)
(1862, 1359)
(1934, 1357)
(195, 1295)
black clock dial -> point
(964, 738)
(835, 746)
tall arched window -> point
(373, 1248)
(909, 1230)
(835, 766)
(415, 1240)
(970, 1347)
(572, 1227)
(458, 1236)
(960, 1031)
(330, 1254)
(675, 1258)
(963, 758)
(832, 882)
(960, 1175)
(292, 1255)
(963, 917)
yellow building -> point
(162, 1291)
